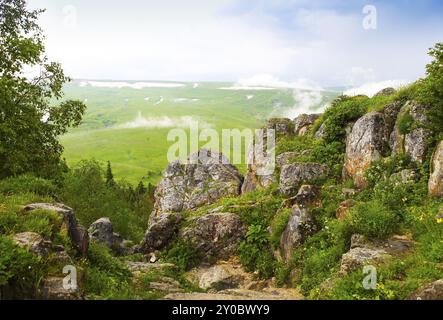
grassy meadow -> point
(129, 126)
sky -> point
(321, 42)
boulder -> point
(102, 231)
(216, 235)
(436, 179)
(372, 252)
(33, 242)
(52, 289)
(282, 126)
(161, 231)
(78, 234)
(285, 158)
(303, 122)
(364, 145)
(293, 175)
(144, 267)
(307, 196)
(390, 114)
(205, 177)
(300, 225)
(432, 291)
(221, 276)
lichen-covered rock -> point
(293, 175)
(206, 177)
(102, 231)
(161, 231)
(303, 122)
(415, 143)
(365, 144)
(78, 234)
(215, 235)
(261, 167)
(390, 114)
(307, 196)
(52, 289)
(436, 179)
(372, 252)
(33, 242)
(285, 158)
(282, 126)
(300, 225)
(432, 291)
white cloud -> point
(270, 82)
(163, 122)
(182, 100)
(306, 102)
(372, 88)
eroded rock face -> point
(303, 122)
(78, 234)
(371, 252)
(365, 144)
(33, 242)
(292, 176)
(161, 231)
(432, 291)
(300, 225)
(436, 179)
(205, 178)
(215, 235)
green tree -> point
(109, 176)
(431, 88)
(32, 115)
(140, 188)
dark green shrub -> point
(405, 123)
(183, 254)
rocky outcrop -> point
(241, 294)
(300, 225)
(432, 291)
(292, 176)
(282, 126)
(33, 242)
(161, 231)
(365, 144)
(205, 177)
(215, 235)
(372, 252)
(303, 123)
(78, 234)
(102, 231)
(436, 179)
(415, 142)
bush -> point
(18, 267)
(373, 219)
(278, 226)
(405, 123)
(27, 184)
(183, 254)
(256, 254)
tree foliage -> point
(32, 114)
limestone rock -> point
(138, 266)
(432, 291)
(52, 289)
(300, 225)
(161, 231)
(33, 242)
(292, 176)
(307, 196)
(78, 235)
(282, 126)
(206, 177)
(321, 132)
(436, 180)
(303, 122)
(241, 294)
(365, 144)
(284, 158)
(215, 235)
(102, 231)
(369, 251)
